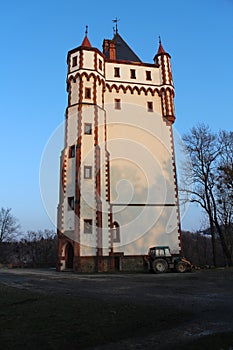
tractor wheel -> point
(160, 266)
(181, 267)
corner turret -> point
(162, 58)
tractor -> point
(160, 260)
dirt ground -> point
(45, 309)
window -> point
(70, 203)
(74, 61)
(100, 65)
(116, 232)
(150, 106)
(87, 226)
(116, 72)
(132, 74)
(87, 128)
(148, 75)
(72, 151)
(117, 103)
(87, 172)
(87, 92)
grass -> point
(39, 321)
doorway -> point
(69, 256)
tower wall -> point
(117, 166)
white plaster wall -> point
(74, 86)
(72, 126)
(144, 227)
(99, 94)
(87, 250)
(70, 177)
(72, 69)
(68, 217)
(88, 59)
(141, 152)
(140, 74)
(100, 71)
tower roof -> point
(160, 49)
(123, 51)
(86, 42)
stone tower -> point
(118, 190)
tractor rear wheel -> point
(160, 266)
(181, 267)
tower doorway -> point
(69, 256)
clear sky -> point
(35, 37)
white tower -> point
(118, 191)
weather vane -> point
(159, 40)
(116, 20)
(86, 31)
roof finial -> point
(86, 31)
(160, 42)
(116, 20)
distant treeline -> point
(197, 247)
(39, 249)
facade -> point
(118, 189)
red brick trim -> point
(132, 89)
(176, 187)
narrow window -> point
(87, 172)
(70, 203)
(87, 226)
(74, 61)
(132, 74)
(148, 75)
(150, 106)
(116, 232)
(100, 65)
(116, 72)
(117, 103)
(72, 151)
(87, 92)
(88, 128)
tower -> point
(118, 190)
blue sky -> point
(35, 37)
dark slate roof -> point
(123, 51)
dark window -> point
(87, 92)
(74, 61)
(150, 106)
(148, 75)
(87, 226)
(87, 172)
(116, 72)
(87, 128)
(70, 203)
(116, 232)
(100, 65)
(72, 151)
(132, 74)
(117, 103)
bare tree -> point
(223, 212)
(211, 157)
(203, 148)
(9, 226)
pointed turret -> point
(162, 58)
(86, 41)
(160, 49)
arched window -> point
(116, 232)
